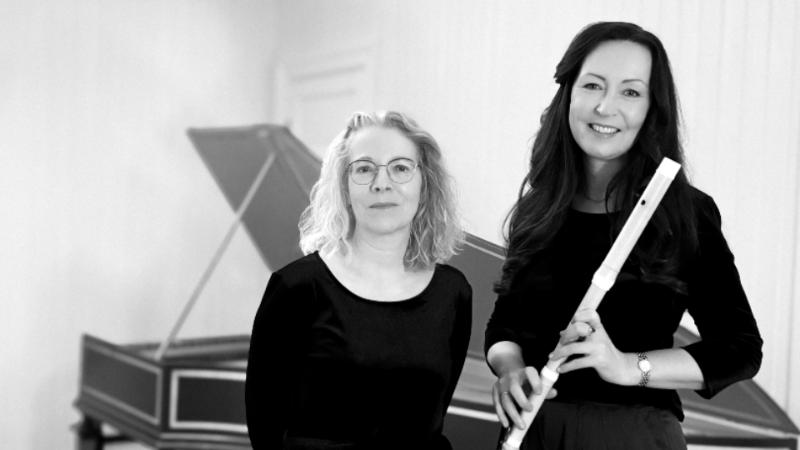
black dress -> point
(331, 370)
(639, 316)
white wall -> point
(108, 215)
(478, 75)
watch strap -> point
(644, 367)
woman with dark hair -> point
(612, 120)
(359, 344)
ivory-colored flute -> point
(603, 279)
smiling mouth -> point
(602, 129)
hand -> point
(509, 398)
(586, 338)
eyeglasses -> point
(400, 170)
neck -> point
(598, 175)
(379, 252)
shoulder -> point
(453, 292)
(300, 272)
(451, 273)
(700, 199)
(290, 291)
(708, 221)
(706, 210)
(453, 279)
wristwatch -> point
(645, 367)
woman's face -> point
(610, 99)
(383, 206)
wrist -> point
(504, 357)
(632, 373)
(502, 368)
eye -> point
(363, 167)
(401, 166)
(631, 93)
(592, 86)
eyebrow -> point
(624, 81)
(372, 160)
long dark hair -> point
(556, 169)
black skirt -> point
(437, 442)
(600, 426)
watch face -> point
(645, 366)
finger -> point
(519, 397)
(533, 379)
(501, 415)
(576, 331)
(575, 364)
(575, 348)
(511, 410)
(498, 407)
(553, 392)
(569, 334)
(589, 316)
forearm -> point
(671, 369)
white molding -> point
(472, 413)
(342, 75)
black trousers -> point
(600, 426)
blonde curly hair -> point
(328, 222)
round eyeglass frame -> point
(415, 164)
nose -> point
(605, 105)
(381, 181)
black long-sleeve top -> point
(330, 369)
(639, 316)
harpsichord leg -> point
(89, 434)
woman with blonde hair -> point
(360, 343)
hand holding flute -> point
(515, 383)
(586, 337)
(587, 340)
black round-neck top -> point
(331, 369)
